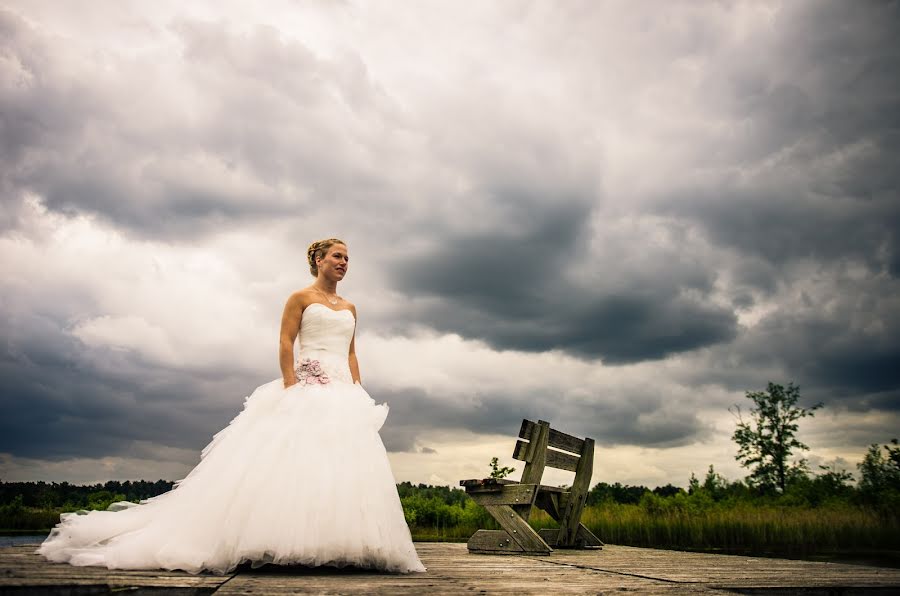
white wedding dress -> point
(300, 476)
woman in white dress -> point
(299, 477)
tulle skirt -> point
(299, 477)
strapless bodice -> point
(325, 336)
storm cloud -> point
(618, 218)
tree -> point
(668, 490)
(767, 440)
(833, 479)
(615, 493)
(879, 473)
(714, 484)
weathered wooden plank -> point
(538, 440)
(549, 502)
(587, 538)
(556, 439)
(511, 494)
(554, 489)
(526, 429)
(485, 483)
(534, 467)
(731, 571)
(537, 454)
(518, 529)
(22, 571)
(571, 517)
(565, 442)
(493, 542)
(562, 461)
(453, 570)
(554, 459)
(549, 535)
(521, 450)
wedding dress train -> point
(300, 476)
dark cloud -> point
(803, 201)
(784, 227)
(810, 173)
(820, 76)
(241, 141)
(639, 418)
(62, 398)
(843, 342)
(754, 238)
(520, 285)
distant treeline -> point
(817, 514)
(879, 489)
(65, 496)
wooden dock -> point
(452, 570)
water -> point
(20, 540)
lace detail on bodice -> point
(325, 336)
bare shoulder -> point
(300, 299)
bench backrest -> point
(540, 446)
(564, 450)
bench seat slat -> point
(516, 495)
(485, 483)
(497, 484)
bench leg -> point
(571, 513)
(493, 542)
(518, 530)
(584, 538)
(587, 539)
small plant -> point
(497, 471)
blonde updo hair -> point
(318, 249)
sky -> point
(618, 217)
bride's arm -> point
(354, 363)
(290, 326)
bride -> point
(300, 476)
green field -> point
(806, 522)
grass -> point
(839, 533)
(756, 529)
(832, 533)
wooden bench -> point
(510, 502)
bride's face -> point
(335, 262)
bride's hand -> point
(289, 382)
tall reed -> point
(733, 528)
(759, 529)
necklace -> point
(331, 300)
